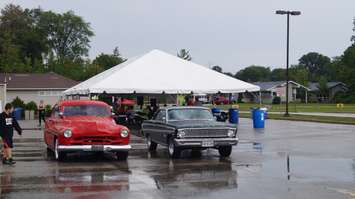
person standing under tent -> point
(41, 113)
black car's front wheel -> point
(151, 145)
(225, 151)
(174, 151)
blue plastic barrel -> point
(258, 118)
(17, 113)
(215, 111)
(233, 115)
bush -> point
(48, 110)
(276, 100)
(342, 97)
(18, 103)
(31, 106)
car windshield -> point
(90, 109)
(189, 114)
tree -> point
(217, 68)
(278, 74)
(254, 74)
(68, 35)
(299, 74)
(315, 63)
(353, 36)
(107, 61)
(184, 54)
(19, 33)
(323, 90)
(229, 74)
(347, 68)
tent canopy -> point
(158, 72)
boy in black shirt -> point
(7, 125)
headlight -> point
(67, 133)
(124, 133)
(231, 133)
(180, 134)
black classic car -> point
(195, 128)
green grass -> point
(308, 118)
(298, 107)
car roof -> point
(81, 102)
(183, 107)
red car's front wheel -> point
(122, 155)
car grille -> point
(204, 132)
(96, 139)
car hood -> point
(200, 124)
(92, 124)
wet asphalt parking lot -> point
(321, 159)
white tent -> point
(158, 72)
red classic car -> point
(84, 125)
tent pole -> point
(260, 98)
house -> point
(34, 87)
(332, 89)
(269, 90)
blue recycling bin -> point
(17, 113)
(258, 118)
(233, 115)
(215, 111)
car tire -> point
(225, 151)
(151, 145)
(174, 152)
(196, 153)
(57, 154)
(123, 155)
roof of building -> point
(266, 86)
(34, 81)
(314, 86)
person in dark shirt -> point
(41, 113)
(7, 125)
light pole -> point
(288, 13)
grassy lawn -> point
(298, 107)
(309, 118)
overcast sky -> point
(230, 33)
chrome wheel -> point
(171, 148)
(174, 152)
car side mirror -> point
(164, 119)
(61, 115)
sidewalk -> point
(351, 115)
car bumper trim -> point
(111, 148)
(198, 142)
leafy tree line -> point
(34, 40)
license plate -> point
(97, 147)
(207, 143)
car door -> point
(158, 126)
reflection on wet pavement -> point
(256, 169)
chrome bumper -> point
(97, 148)
(198, 142)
